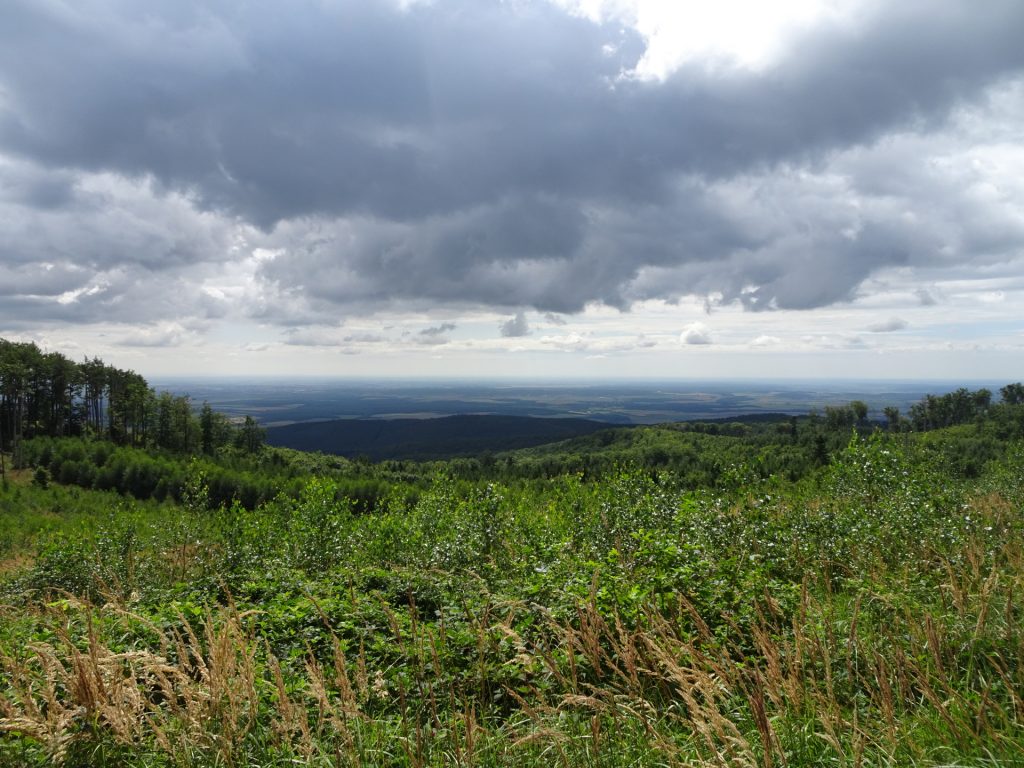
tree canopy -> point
(44, 394)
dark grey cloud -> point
(437, 330)
(23, 184)
(279, 110)
(302, 108)
(467, 152)
(455, 259)
(434, 335)
(39, 279)
(515, 326)
(102, 249)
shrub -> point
(41, 477)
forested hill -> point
(428, 438)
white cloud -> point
(313, 337)
(696, 333)
(161, 335)
(727, 33)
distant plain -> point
(289, 401)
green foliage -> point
(455, 526)
(150, 475)
(1013, 394)
(41, 477)
(318, 526)
(776, 593)
(47, 395)
(959, 407)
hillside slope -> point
(428, 438)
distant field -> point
(275, 403)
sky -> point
(538, 189)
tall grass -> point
(870, 617)
(845, 680)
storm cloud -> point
(311, 159)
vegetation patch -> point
(784, 593)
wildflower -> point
(380, 686)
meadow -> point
(816, 592)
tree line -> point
(961, 406)
(45, 394)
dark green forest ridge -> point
(816, 590)
(433, 438)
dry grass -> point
(856, 680)
(197, 690)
